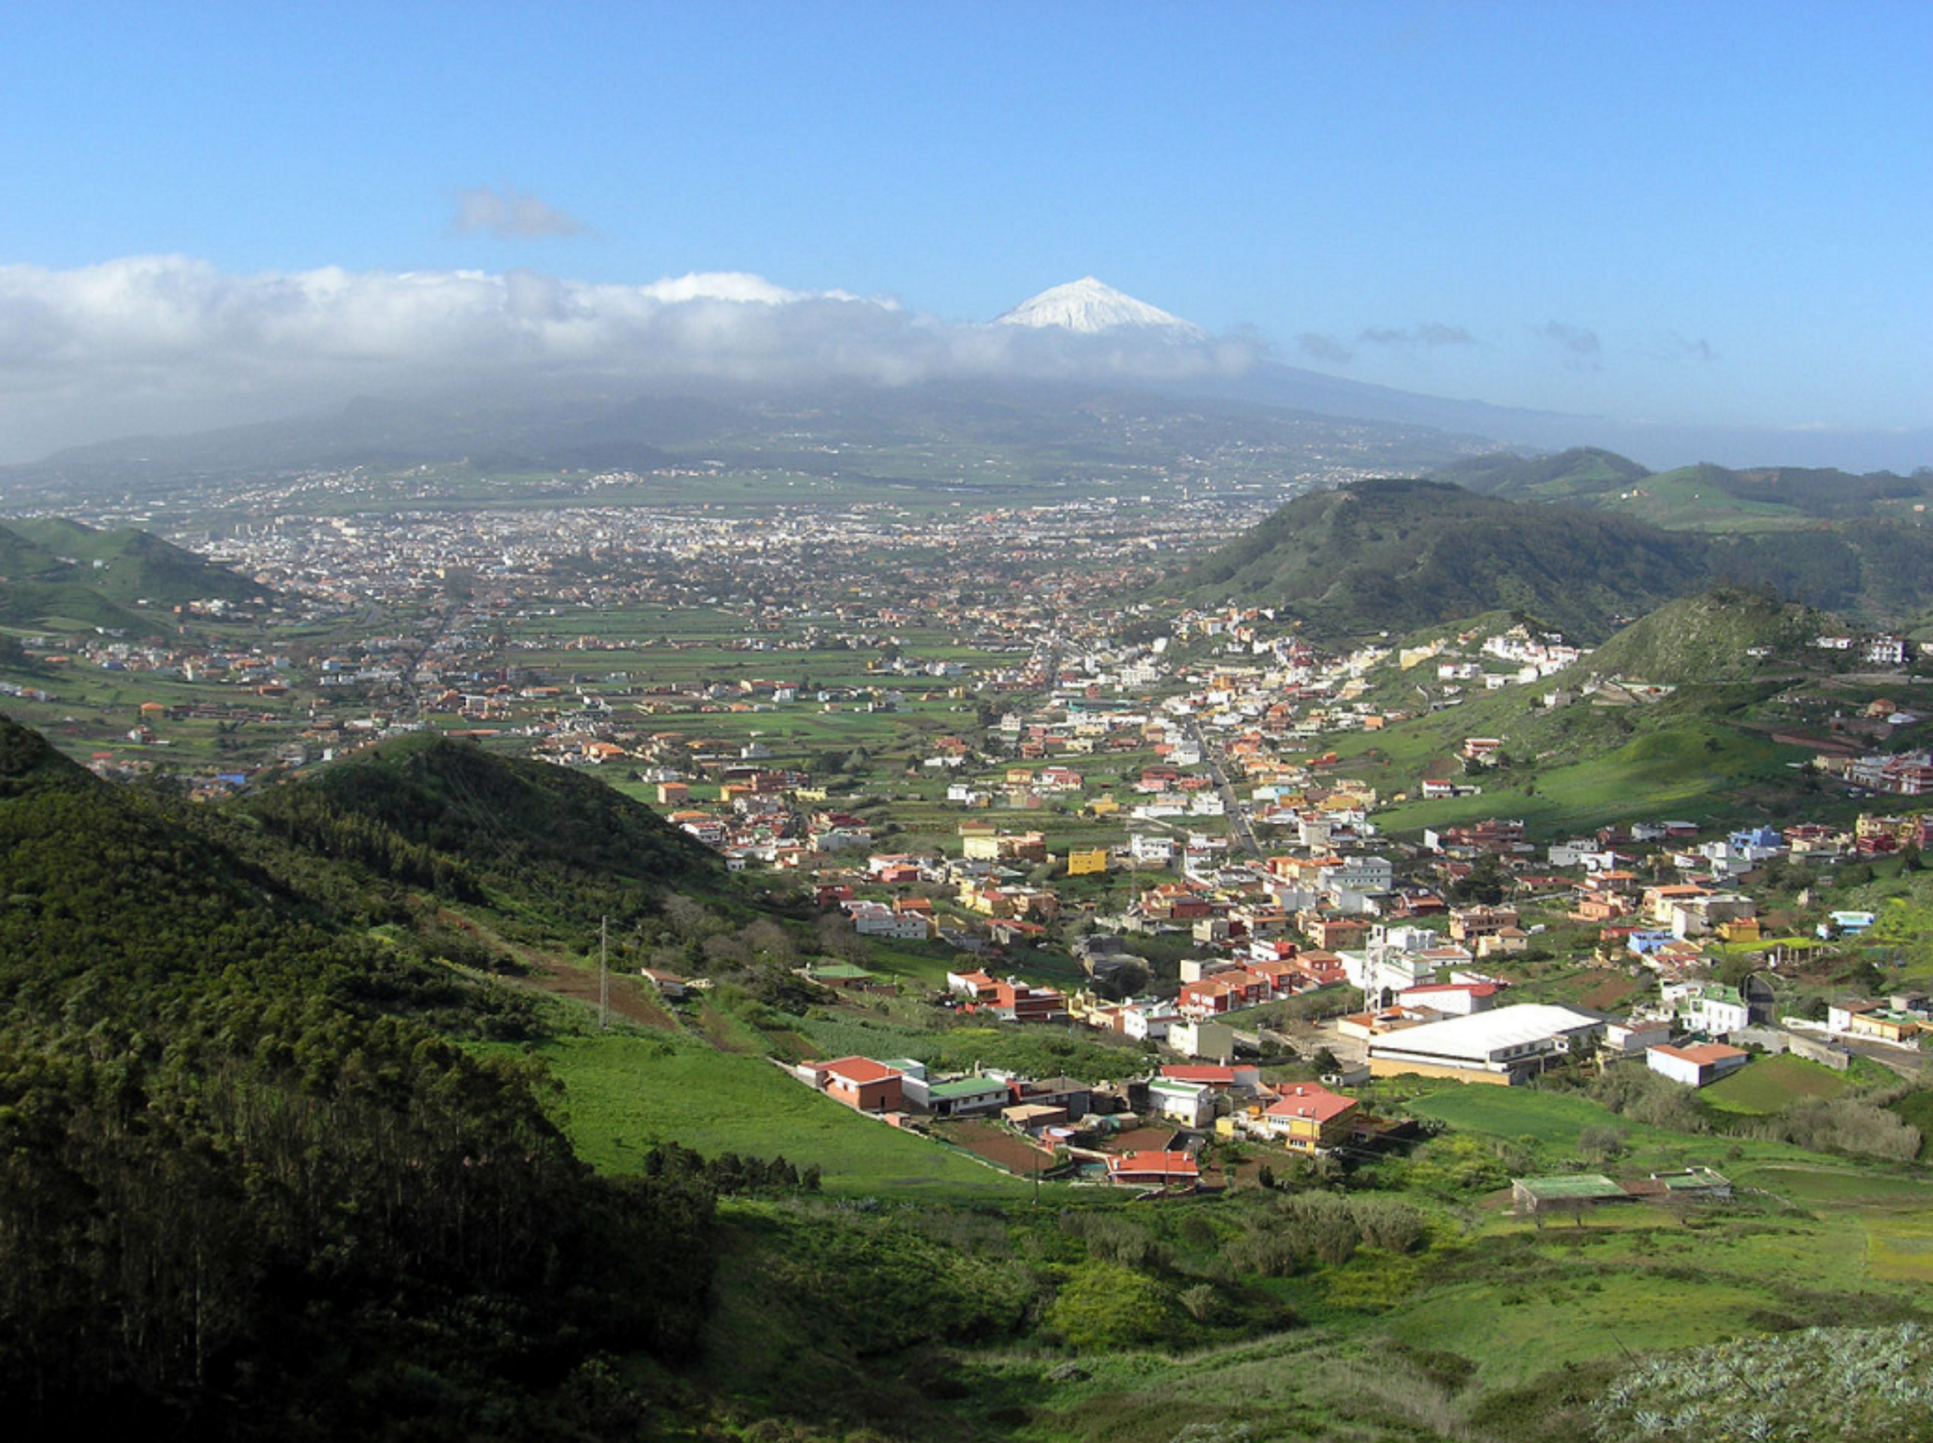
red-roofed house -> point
(1022, 1003)
(861, 1083)
(1696, 1066)
(1153, 1169)
(1322, 969)
(1211, 1075)
(1309, 1118)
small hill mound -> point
(128, 564)
(1724, 635)
(62, 574)
(1583, 473)
(1397, 555)
(525, 838)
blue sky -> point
(1697, 213)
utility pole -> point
(603, 973)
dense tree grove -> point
(244, 1193)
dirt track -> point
(631, 999)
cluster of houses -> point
(1101, 1130)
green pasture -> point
(1768, 1083)
(1548, 1124)
(1899, 1247)
(624, 1092)
(1679, 501)
(1698, 772)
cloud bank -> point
(169, 343)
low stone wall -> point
(1777, 1039)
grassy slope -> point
(1581, 472)
(136, 564)
(1589, 763)
(1632, 1277)
(1769, 1083)
(625, 1092)
(1706, 639)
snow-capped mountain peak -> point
(1092, 307)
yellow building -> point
(1083, 864)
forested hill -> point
(244, 1195)
(543, 847)
(1394, 555)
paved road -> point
(1238, 823)
(1905, 1063)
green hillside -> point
(129, 565)
(1879, 573)
(1392, 556)
(243, 1197)
(1581, 473)
(67, 606)
(62, 574)
(1699, 497)
(1720, 498)
(495, 863)
(1703, 748)
(1710, 638)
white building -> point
(1369, 875)
(1636, 1034)
(1695, 1066)
(1149, 1022)
(1195, 1038)
(1187, 1103)
(1508, 1044)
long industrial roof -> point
(1481, 1034)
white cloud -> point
(173, 343)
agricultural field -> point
(1770, 1083)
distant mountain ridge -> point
(1698, 497)
(1053, 428)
